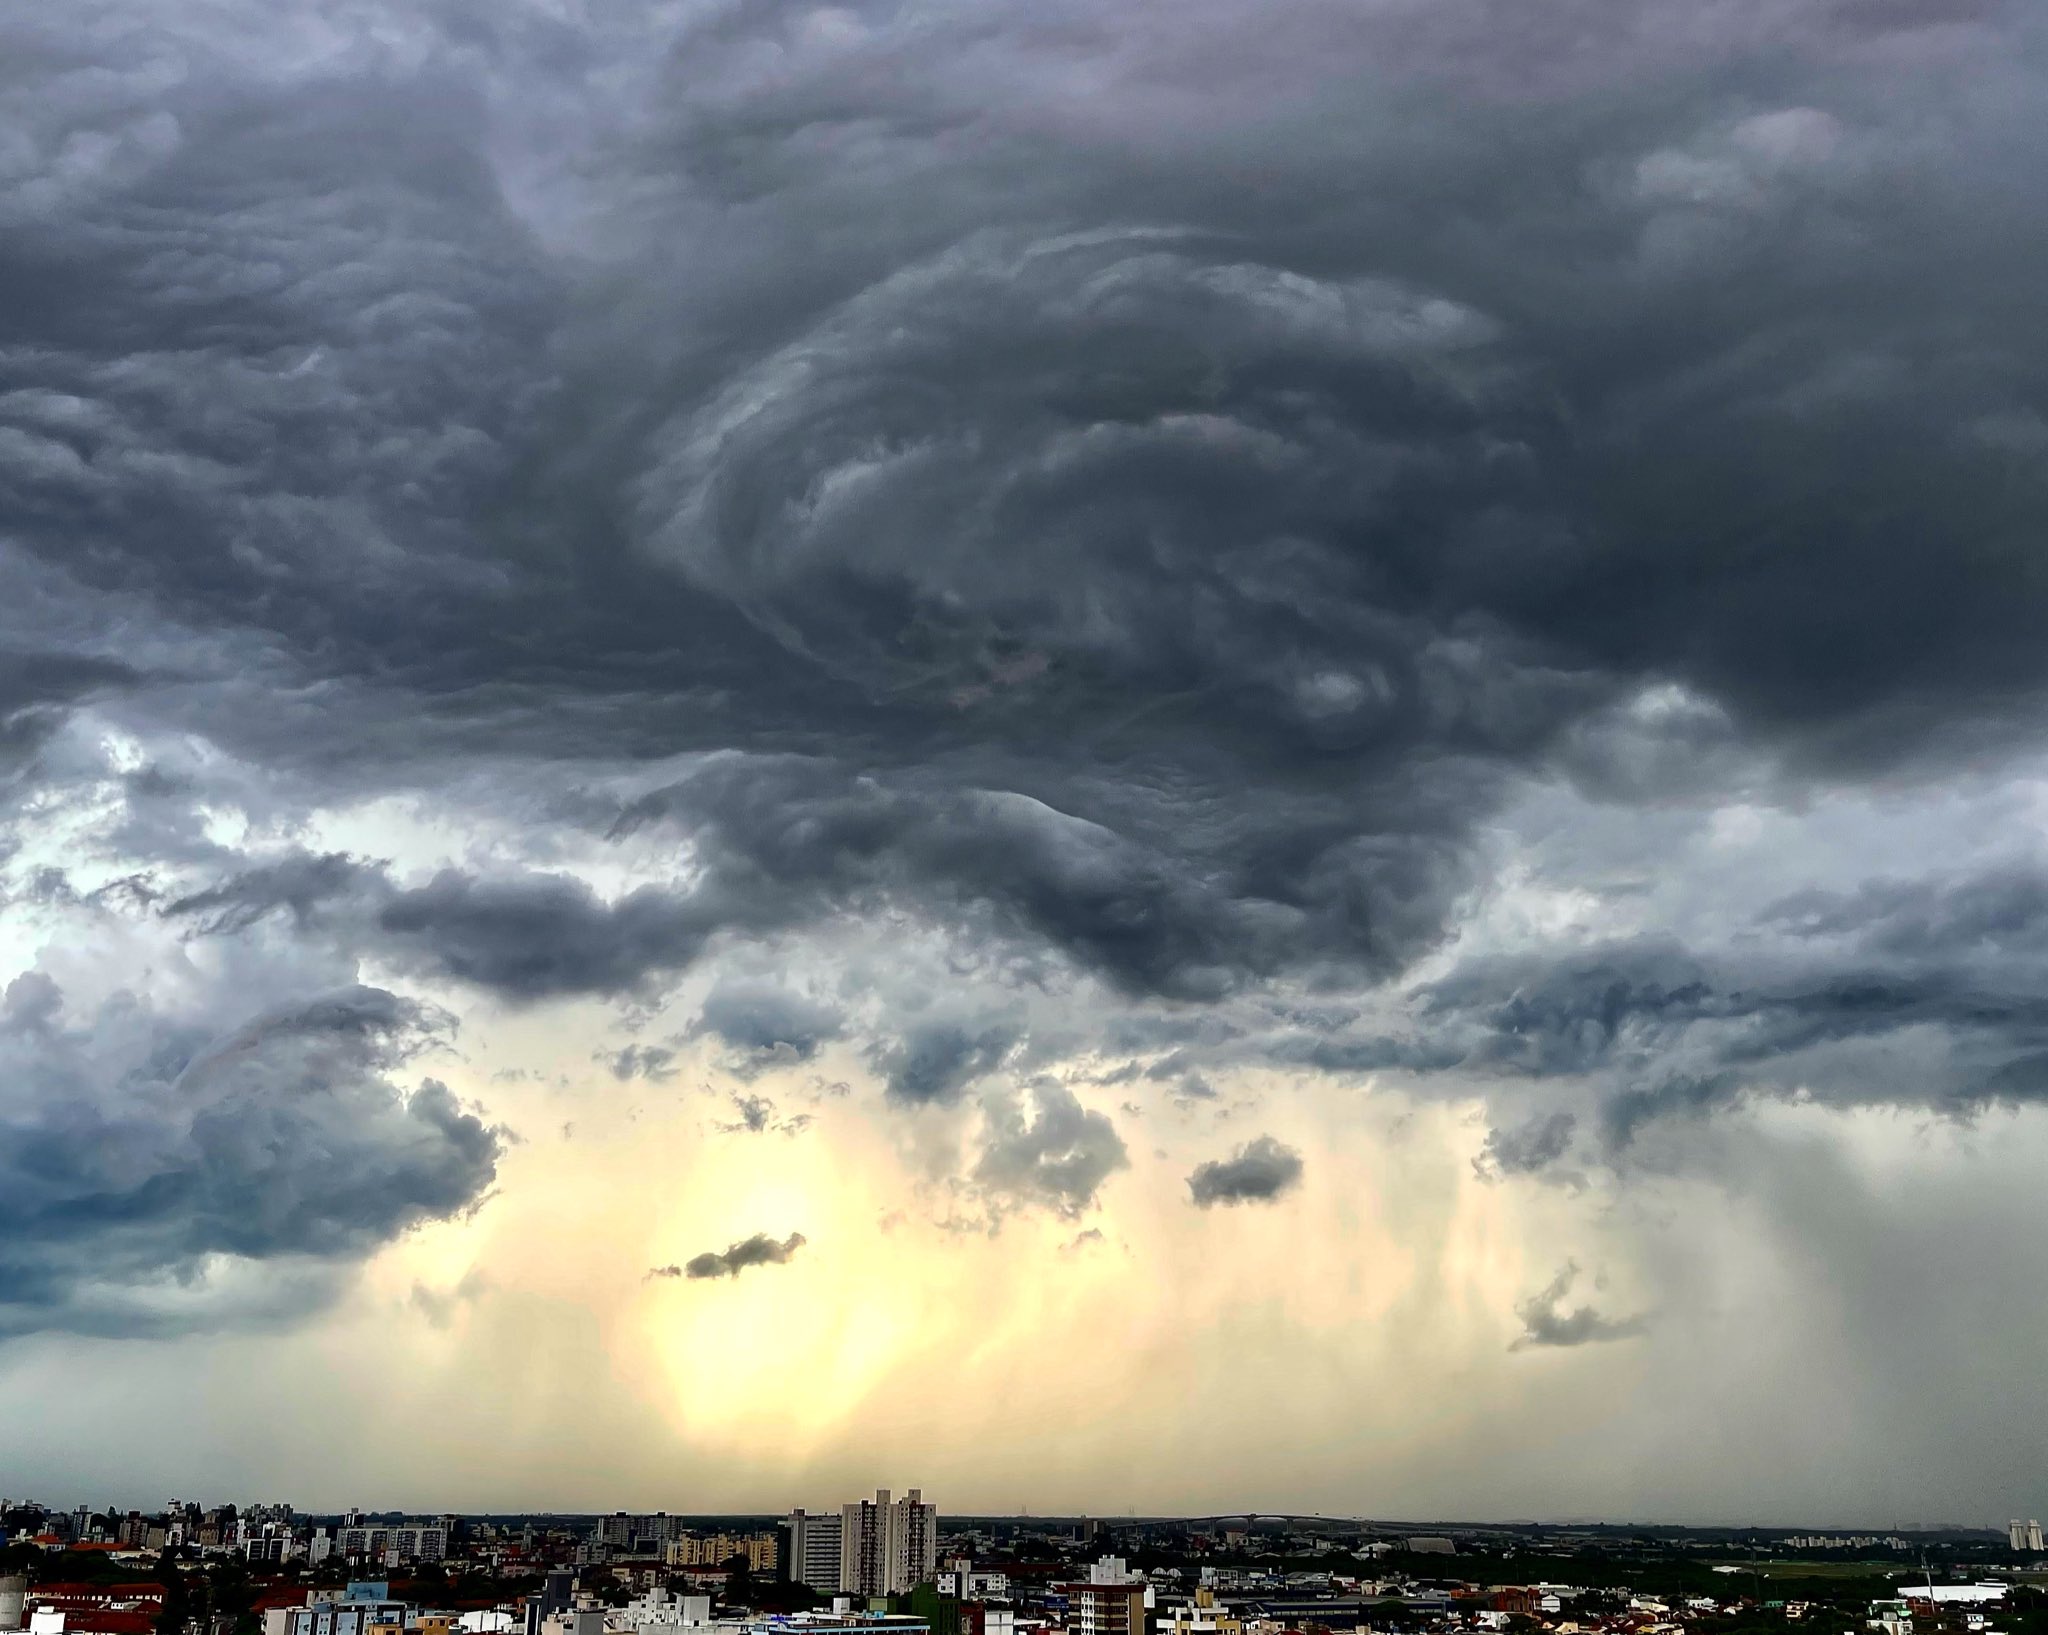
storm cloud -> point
(758, 1250)
(920, 561)
(165, 1175)
(1040, 1146)
(1546, 1322)
(1257, 1172)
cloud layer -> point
(1056, 584)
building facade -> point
(814, 1550)
(888, 1548)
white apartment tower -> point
(814, 1550)
(887, 1548)
(921, 1539)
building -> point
(395, 1541)
(885, 1548)
(622, 1533)
(1105, 1609)
(920, 1528)
(359, 1609)
(94, 1609)
(1202, 1616)
(557, 1595)
(961, 1578)
(1936, 1595)
(657, 1612)
(814, 1550)
(868, 1546)
(757, 1550)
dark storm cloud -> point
(766, 1024)
(1141, 498)
(784, 838)
(525, 937)
(1914, 992)
(145, 1151)
(1528, 1148)
(1041, 1147)
(37, 692)
(1257, 1172)
(1546, 1322)
(758, 1250)
(934, 1061)
(300, 884)
(1997, 914)
(540, 936)
(1621, 1011)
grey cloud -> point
(526, 937)
(37, 690)
(935, 1060)
(1546, 1322)
(654, 1063)
(967, 503)
(2000, 913)
(301, 884)
(1920, 996)
(541, 936)
(758, 1250)
(756, 1114)
(1041, 1147)
(1528, 1148)
(148, 1152)
(1194, 1088)
(765, 1024)
(1257, 1172)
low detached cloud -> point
(1546, 1323)
(168, 1170)
(1257, 1173)
(1044, 1148)
(758, 1250)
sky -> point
(1101, 754)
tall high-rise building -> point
(814, 1550)
(921, 1539)
(2034, 1542)
(866, 1545)
(888, 1548)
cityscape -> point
(895, 1566)
(1023, 817)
